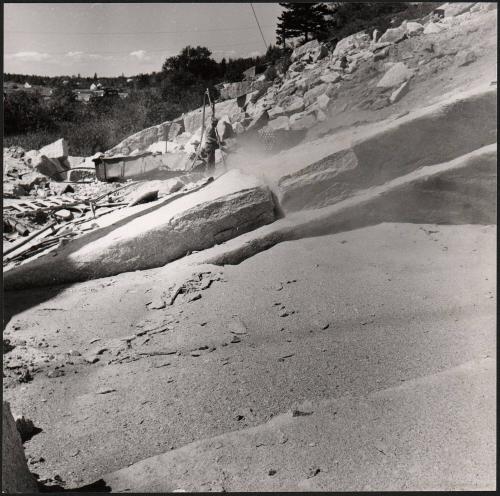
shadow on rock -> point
(98, 486)
(17, 301)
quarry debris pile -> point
(42, 213)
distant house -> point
(86, 95)
(130, 80)
(27, 85)
(83, 95)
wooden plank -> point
(31, 205)
(16, 207)
(19, 207)
(44, 203)
(27, 239)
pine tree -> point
(301, 19)
(347, 18)
(282, 30)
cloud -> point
(82, 56)
(75, 55)
(29, 56)
(141, 55)
(225, 52)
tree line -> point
(32, 121)
(194, 60)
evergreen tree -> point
(347, 18)
(273, 54)
(301, 19)
(223, 68)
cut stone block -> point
(305, 49)
(302, 120)
(281, 122)
(393, 35)
(395, 76)
(58, 149)
(158, 147)
(16, 478)
(428, 136)
(143, 139)
(231, 205)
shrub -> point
(270, 73)
(24, 112)
(284, 62)
(97, 126)
(32, 140)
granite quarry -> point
(343, 253)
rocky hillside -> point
(413, 63)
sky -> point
(111, 39)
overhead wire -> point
(258, 24)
